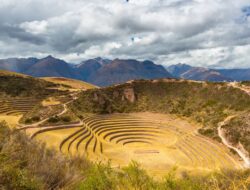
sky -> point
(209, 33)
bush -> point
(66, 119)
(35, 118)
(55, 119)
(31, 120)
(28, 121)
(99, 178)
(27, 164)
(136, 177)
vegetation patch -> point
(24, 86)
(207, 103)
(39, 113)
(238, 130)
(68, 117)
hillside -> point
(19, 65)
(98, 71)
(197, 73)
(88, 68)
(13, 84)
(236, 74)
(50, 66)
(119, 71)
(72, 83)
(206, 103)
(205, 74)
(105, 72)
(178, 69)
(154, 123)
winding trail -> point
(243, 88)
(240, 149)
(240, 152)
(37, 125)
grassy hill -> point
(74, 84)
(13, 84)
(9, 73)
(204, 102)
(22, 95)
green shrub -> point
(137, 178)
(98, 178)
(27, 164)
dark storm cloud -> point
(7, 31)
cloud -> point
(211, 33)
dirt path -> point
(36, 125)
(243, 88)
(240, 152)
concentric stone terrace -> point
(122, 138)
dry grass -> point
(9, 73)
(12, 121)
(27, 164)
(75, 84)
(157, 141)
(50, 102)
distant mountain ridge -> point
(119, 71)
(105, 72)
(205, 74)
(98, 71)
(17, 64)
(50, 66)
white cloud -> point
(35, 27)
(106, 49)
(198, 32)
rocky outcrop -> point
(129, 94)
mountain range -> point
(205, 74)
(105, 72)
(98, 71)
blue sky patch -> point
(246, 11)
